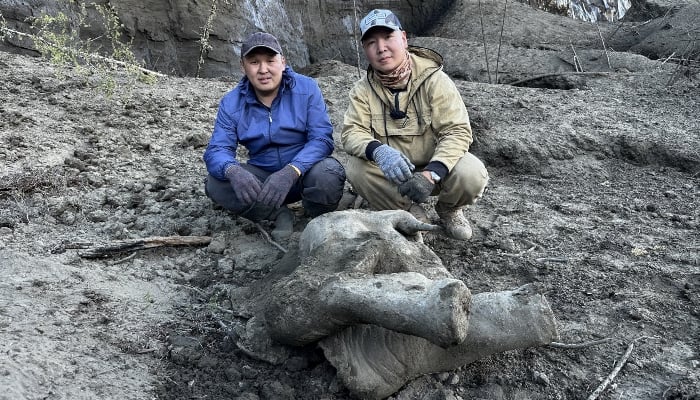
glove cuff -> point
(231, 169)
(371, 148)
(297, 170)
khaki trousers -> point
(462, 186)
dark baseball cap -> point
(378, 17)
(260, 39)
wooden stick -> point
(500, 37)
(483, 38)
(577, 62)
(604, 49)
(127, 258)
(578, 345)
(121, 246)
(613, 374)
(556, 74)
(269, 239)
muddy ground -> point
(594, 194)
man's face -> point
(385, 49)
(264, 68)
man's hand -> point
(277, 186)
(395, 166)
(418, 188)
(245, 185)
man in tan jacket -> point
(407, 130)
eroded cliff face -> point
(203, 38)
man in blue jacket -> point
(280, 117)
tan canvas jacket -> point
(436, 126)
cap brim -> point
(373, 27)
(261, 46)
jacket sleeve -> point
(357, 125)
(450, 121)
(221, 150)
(319, 131)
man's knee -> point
(469, 177)
(324, 183)
(327, 175)
(221, 193)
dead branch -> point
(125, 259)
(617, 368)
(269, 239)
(533, 78)
(500, 37)
(604, 48)
(483, 38)
(121, 246)
(82, 54)
(578, 345)
(543, 260)
(577, 62)
(613, 374)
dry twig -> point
(577, 62)
(618, 366)
(127, 258)
(533, 78)
(483, 38)
(604, 48)
(578, 345)
(269, 239)
(500, 37)
(613, 374)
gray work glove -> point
(245, 185)
(418, 188)
(396, 167)
(277, 186)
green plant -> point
(57, 38)
(204, 45)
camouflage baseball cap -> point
(260, 39)
(377, 18)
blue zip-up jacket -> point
(295, 130)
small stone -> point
(453, 380)
(541, 378)
(249, 372)
(217, 245)
(442, 376)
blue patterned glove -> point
(245, 185)
(277, 186)
(396, 167)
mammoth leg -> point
(374, 362)
(408, 302)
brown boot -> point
(453, 220)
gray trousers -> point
(462, 186)
(320, 190)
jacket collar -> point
(425, 63)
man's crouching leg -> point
(323, 187)
(463, 186)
